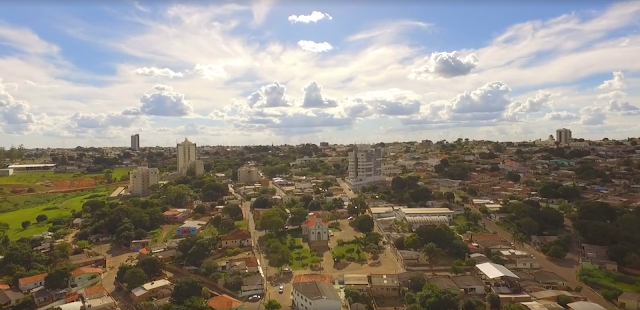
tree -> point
(513, 177)
(200, 209)
(83, 244)
(517, 306)
(298, 215)
(226, 226)
(457, 270)
(233, 212)
(450, 196)
(473, 304)
(417, 282)
(438, 168)
(185, 289)
(151, 265)
(364, 223)
(63, 249)
(493, 300)
(4, 227)
(57, 278)
(135, 277)
(216, 220)
(433, 254)
(272, 305)
(25, 224)
(261, 203)
(271, 221)
(563, 300)
(554, 251)
(41, 218)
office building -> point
(365, 166)
(315, 296)
(563, 136)
(186, 155)
(141, 179)
(135, 142)
(248, 175)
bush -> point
(41, 218)
(610, 295)
(233, 252)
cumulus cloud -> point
(391, 102)
(157, 72)
(15, 115)
(209, 72)
(161, 87)
(314, 17)
(446, 65)
(592, 116)
(616, 94)
(618, 82)
(531, 105)
(313, 97)
(623, 107)
(315, 47)
(561, 116)
(165, 103)
(269, 96)
(103, 120)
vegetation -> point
(432, 297)
(349, 252)
(441, 236)
(402, 190)
(609, 284)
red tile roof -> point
(31, 279)
(312, 221)
(4, 287)
(83, 270)
(223, 302)
(237, 234)
(93, 290)
(71, 298)
(249, 261)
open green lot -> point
(350, 252)
(601, 279)
(31, 178)
(51, 205)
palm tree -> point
(433, 254)
(518, 239)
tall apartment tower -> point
(563, 136)
(186, 155)
(135, 142)
(141, 179)
(365, 166)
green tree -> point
(272, 305)
(135, 277)
(216, 221)
(417, 282)
(364, 223)
(449, 196)
(63, 249)
(233, 212)
(433, 254)
(298, 215)
(272, 220)
(58, 278)
(226, 226)
(151, 265)
(563, 300)
(41, 218)
(261, 203)
(186, 288)
(517, 306)
(26, 224)
(493, 300)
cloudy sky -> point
(289, 72)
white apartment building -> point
(315, 296)
(365, 166)
(141, 179)
(186, 153)
(390, 169)
(135, 142)
(248, 175)
(563, 136)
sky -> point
(93, 73)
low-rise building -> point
(403, 213)
(236, 239)
(176, 215)
(85, 276)
(29, 283)
(82, 260)
(155, 289)
(471, 285)
(252, 285)
(385, 285)
(225, 302)
(190, 228)
(10, 297)
(358, 282)
(629, 301)
(315, 296)
(516, 259)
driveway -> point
(566, 268)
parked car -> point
(281, 289)
(254, 298)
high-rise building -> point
(563, 136)
(186, 155)
(141, 179)
(248, 175)
(135, 142)
(365, 166)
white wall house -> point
(31, 282)
(315, 296)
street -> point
(566, 268)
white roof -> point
(428, 220)
(493, 271)
(426, 210)
(585, 305)
(493, 206)
(156, 284)
(32, 166)
(76, 305)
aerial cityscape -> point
(266, 154)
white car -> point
(254, 298)
(281, 289)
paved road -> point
(346, 189)
(566, 268)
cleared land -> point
(601, 279)
(51, 205)
(19, 183)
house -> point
(43, 296)
(236, 239)
(190, 228)
(552, 295)
(243, 264)
(225, 302)
(628, 301)
(316, 230)
(136, 245)
(252, 285)
(542, 305)
(85, 276)
(166, 256)
(315, 296)
(358, 282)
(29, 283)
(176, 215)
(92, 292)
(584, 305)
(10, 297)
(385, 285)
(519, 260)
(76, 223)
(549, 280)
(99, 238)
(412, 258)
(82, 260)
(155, 289)
(471, 285)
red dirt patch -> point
(76, 183)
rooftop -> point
(31, 166)
(465, 281)
(444, 283)
(584, 305)
(223, 302)
(356, 279)
(317, 290)
(84, 270)
(384, 280)
(237, 234)
(31, 279)
(425, 210)
(313, 277)
(493, 271)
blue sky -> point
(268, 71)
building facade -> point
(365, 166)
(248, 175)
(186, 154)
(135, 142)
(315, 296)
(141, 179)
(563, 136)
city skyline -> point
(267, 72)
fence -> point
(210, 283)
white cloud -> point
(161, 87)
(592, 116)
(314, 17)
(531, 105)
(561, 116)
(210, 72)
(313, 97)
(315, 47)
(616, 83)
(165, 103)
(446, 65)
(616, 106)
(388, 31)
(616, 94)
(269, 96)
(152, 71)
(25, 40)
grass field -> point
(600, 279)
(52, 205)
(350, 252)
(31, 178)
